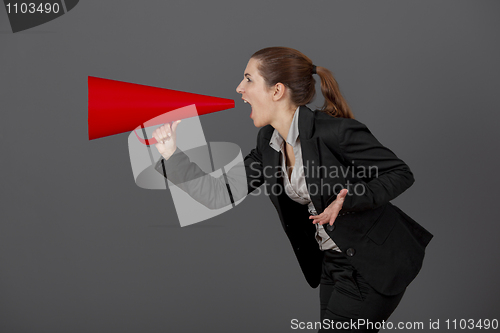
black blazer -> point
(384, 244)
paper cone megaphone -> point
(116, 107)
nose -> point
(239, 88)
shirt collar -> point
(293, 133)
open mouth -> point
(246, 102)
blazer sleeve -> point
(388, 176)
(214, 192)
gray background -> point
(83, 249)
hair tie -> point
(314, 70)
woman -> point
(336, 184)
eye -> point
(248, 79)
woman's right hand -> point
(166, 138)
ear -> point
(279, 91)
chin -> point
(257, 123)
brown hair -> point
(295, 71)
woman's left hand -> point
(332, 211)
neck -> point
(283, 120)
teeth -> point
(245, 101)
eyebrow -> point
(246, 74)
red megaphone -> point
(116, 107)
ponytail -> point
(295, 70)
(335, 105)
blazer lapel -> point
(272, 162)
(311, 158)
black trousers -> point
(347, 299)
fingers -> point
(315, 218)
(163, 133)
(331, 213)
(166, 132)
(333, 218)
(156, 135)
(321, 218)
(328, 216)
(330, 220)
(325, 220)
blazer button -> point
(330, 227)
(350, 252)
